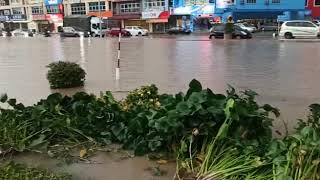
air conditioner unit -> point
(242, 2)
(266, 2)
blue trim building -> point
(188, 13)
(261, 9)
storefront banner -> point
(4, 18)
(224, 3)
(39, 17)
(155, 14)
(52, 2)
(151, 14)
(54, 17)
(17, 17)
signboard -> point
(52, 2)
(4, 18)
(54, 17)
(39, 17)
(17, 17)
(224, 3)
(155, 14)
(150, 14)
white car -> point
(292, 29)
(137, 31)
(248, 27)
(21, 33)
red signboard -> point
(39, 17)
(54, 17)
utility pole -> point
(100, 18)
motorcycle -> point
(47, 34)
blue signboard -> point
(18, 17)
(52, 2)
(4, 18)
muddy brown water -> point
(285, 74)
(103, 166)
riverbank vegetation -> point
(213, 136)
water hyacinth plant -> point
(214, 136)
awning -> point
(104, 14)
(157, 21)
(126, 16)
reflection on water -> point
(283, 73)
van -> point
(292, 29)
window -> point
(129, 7)
(54, 9)
(37, 10)
(4, 2)
(317, 2)
(155, 4)
(275, 1)
(15, 1)
(251, 1)
(94, 6)
(78, 8)
(17, 11)
(292, 24)
(306, 24)
(5, 12)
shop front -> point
(55, 13)
(13, 22)
(157, 20)
(55, 20)
(40, 23)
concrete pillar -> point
(150, 27)
(122, 23)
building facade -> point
(261, 9)
(192, 14)
(314, 6)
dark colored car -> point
(178, 30)
(116, 31)
(217, 31)
(269, 27)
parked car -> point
(178, 30)
(116, 31)
(269, 27)
(292, 29)
(22, 33)
(137, 31)
(73, 32)
(218, 30)
(247, 26)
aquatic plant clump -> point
(214, 136)
(65, 75)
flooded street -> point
(283, 73)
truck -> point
(87, 24)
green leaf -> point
(183, 108)
(12, 102)
(3, 98)
(197, 98)
(194, 86)
(38, 141)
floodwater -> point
(103, 166)
(285, 74)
